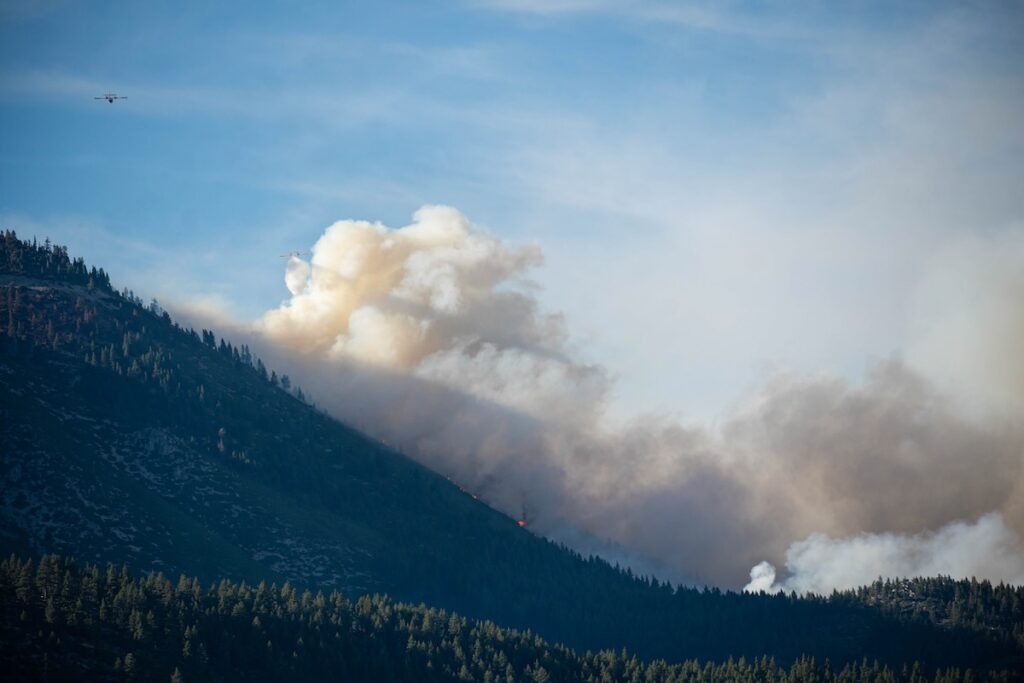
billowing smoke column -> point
(427, 336)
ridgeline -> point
(125, 438)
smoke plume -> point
(428, 337)
(819, 563)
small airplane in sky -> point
(295, 254)
(111, 96)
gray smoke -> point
(429, 338)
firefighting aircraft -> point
(111, 96)
(295, 254)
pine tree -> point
(130, 666)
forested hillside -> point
(971, 604)
(127, 439)
(62, 622)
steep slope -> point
(125, 438)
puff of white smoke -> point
(432, 299)
(762, 578)
(393, 297)
(296, 275)
(986, 548)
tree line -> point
(424, 540)
(61, 621)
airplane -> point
(295, 254)
(111, 96)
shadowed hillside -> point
(128, 439)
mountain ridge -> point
(129, 439)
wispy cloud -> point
(696, 16)
(870, 172)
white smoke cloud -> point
(425, 336)
(433, 299)
(296, 275)
(762, 578)
(394, 297)
(818, 564)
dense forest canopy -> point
(129, 439)
(62, 621)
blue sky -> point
(720, 190)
